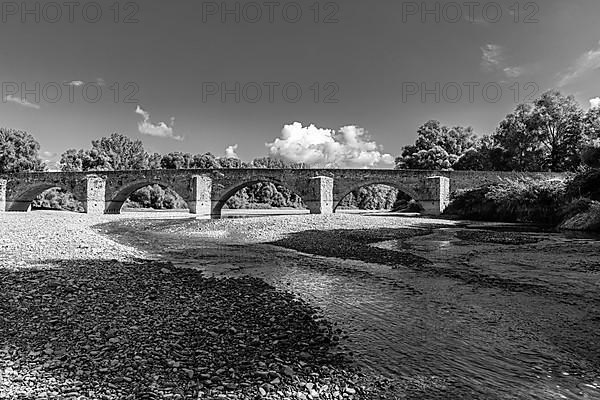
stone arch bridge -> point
(206, 191)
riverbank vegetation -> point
(569, 203)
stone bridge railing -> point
(206, 191)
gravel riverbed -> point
(84, 317)
(293, 307)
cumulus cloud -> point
(161, 129)
(231, 151)
(586, 63)
(20, 101)
(320, 147)
(595, 102)
(51, 160)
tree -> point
(518, 136)
(177, 160)
(228, 163)
(275, 163)
(19, 152)
(206, 161)
(558, 121)
(591, 124)
(114, 153)
(436, 147)
(154, 161)
(544, 135)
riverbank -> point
(84, 317)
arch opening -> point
(378, 196)
(146, 196)
(59, 199)
(47, 196)
(259, 196)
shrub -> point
(512, 200)
(57, 199)
(157, 198)
(576, 207)
(585, 184)
(591, 156)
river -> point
(496, 319)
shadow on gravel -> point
(106, 329)
(355, 244)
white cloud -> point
(21, 102)
(513, 72)
(320, 147)
(51, 160)
(493, 59)
(595, 102)
(492, 56)
(231, 151)
(48, 154)
(146, 127)
(588, 62)
(100, 82)
(76, 83)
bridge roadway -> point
(206, 191)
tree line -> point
(553, 133)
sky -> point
(335, 83)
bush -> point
(591, 156)
(375, 197)
(157, 198)
(518, 200)
(57, 199)
(576, 207)
(585, 184)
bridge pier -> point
(3, 183)
(95, 195)
(201, 192)
(319, 196)
(434, 195)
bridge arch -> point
(349, 189)
(228, 192)
(115, 203)
(23, 198)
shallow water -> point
(531, 332)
